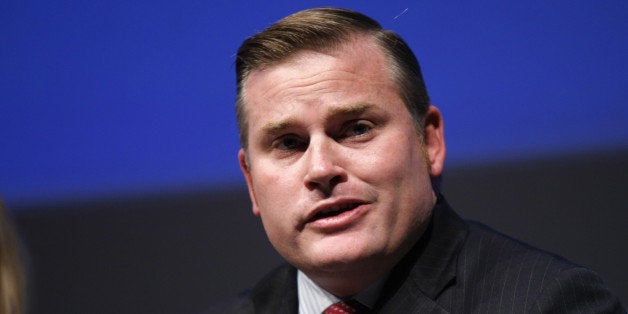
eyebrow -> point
(351, 110)
(276, 127)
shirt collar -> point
(314, 300)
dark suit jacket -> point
(463, 267)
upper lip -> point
(340, 204)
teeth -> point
(334, 210)
(337, 208)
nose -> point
(324, 171)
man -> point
(342, 152)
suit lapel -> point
(277, 293)
(427, 270)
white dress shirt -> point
(314, 300)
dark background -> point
(118, 139)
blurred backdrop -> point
(119, 140)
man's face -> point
(336, 169)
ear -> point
(244, 166)
(434, 138)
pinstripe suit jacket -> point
(463, 267)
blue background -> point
(102, 98)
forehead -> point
(360, 61)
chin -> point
(340, 260)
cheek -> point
(273, 197)
(402, 181)
(267, 182)
(270, 200)
(396, 162)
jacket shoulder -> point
(502, 274)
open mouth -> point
(335, 211)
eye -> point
(289, 142)
(357, 128)
(360, 128)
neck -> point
(346, 283)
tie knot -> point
(350, 306)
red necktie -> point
(347, 307)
